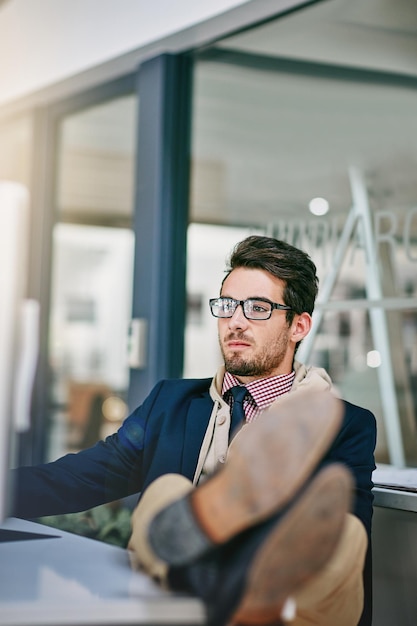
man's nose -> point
(238, 319)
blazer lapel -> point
(197, 419)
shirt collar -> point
(263, 390)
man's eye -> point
(259, 307)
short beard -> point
(237, 367)
(262, 365)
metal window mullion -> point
(161, 217)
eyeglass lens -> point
(252, 309)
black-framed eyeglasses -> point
(253, 308)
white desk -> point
(70, 580)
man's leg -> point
(253, 551)
(249, 579)
(334, 597)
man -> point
(184, 428)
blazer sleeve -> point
(355, 446)
(110, 470)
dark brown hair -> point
(290, 264)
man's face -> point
(258, 348)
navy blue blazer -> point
(161, 436)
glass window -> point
(92, 275)
(96, 164)
(325, 159)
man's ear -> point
(301, 326)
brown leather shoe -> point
(246, 581)
(297, 548)
(269, 461)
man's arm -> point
(109, 470)
(76, 482)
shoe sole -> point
(268, 463)
(300, 544)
